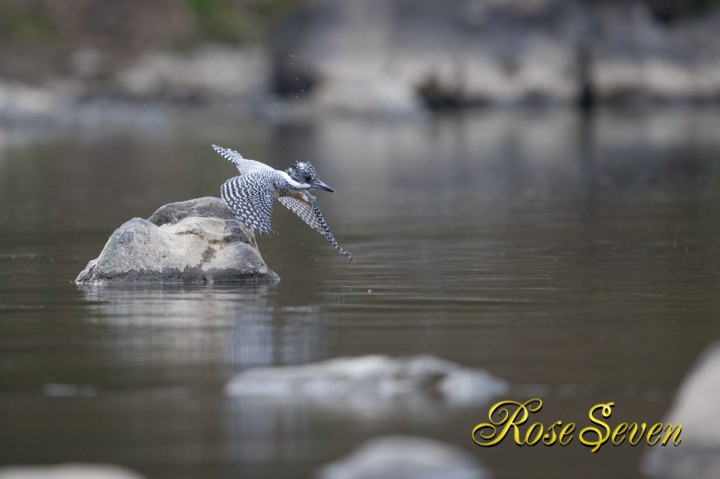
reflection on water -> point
(220, 325)
(575, 257)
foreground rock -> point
(195, 241)
(405, 457)
(369, 381)
(696, 408)
(68, 471)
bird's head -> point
(303, 172)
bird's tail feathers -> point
(231, 155)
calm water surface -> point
(576, 258)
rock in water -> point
(373, 380)
(393, 57)
(195, 241)
(208, 207)
(405, 457)
(696, 408)
(68, 471)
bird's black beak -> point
(323, 186)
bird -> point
(250, 195)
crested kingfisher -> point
(250, 195)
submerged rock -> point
(405, 457)
(68, 471)
(195, 241)
(369, 381)
(696, 408)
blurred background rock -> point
(392, 57)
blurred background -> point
(530, 187)
(395, 57)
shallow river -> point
(578, 259)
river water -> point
(576, 258)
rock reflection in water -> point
(233, 325)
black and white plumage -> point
(250, 195)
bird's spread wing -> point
(244, 165)
(301, 205)
(305, 206)
(250, 197)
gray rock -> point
(27, 104)
(636, 60)
(696, 408)
(405, 457)
(195, 241)
(210, 73)
(394, 56)
(207, 207)
(68, 471)
(369, 382)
